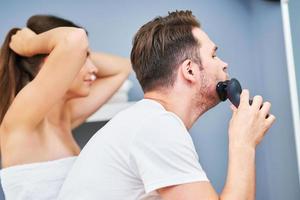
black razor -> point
(230, 89)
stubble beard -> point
(207, 96)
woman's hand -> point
(20, 42)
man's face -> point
(213, 69)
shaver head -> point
(222, 90)
(230, 89)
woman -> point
(50, 82)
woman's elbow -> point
(77, 39)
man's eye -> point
(214, 56)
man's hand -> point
(249, 123)
(20, 42)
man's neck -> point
(184, 106)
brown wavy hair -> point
(161, 45)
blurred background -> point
(251, 38)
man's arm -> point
(247, 128)
(240, 182)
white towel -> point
(36, 181)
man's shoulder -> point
(143, 111)
(148, 120)
(162, 126)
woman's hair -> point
(15, 70)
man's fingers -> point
(270, 120)
(257, 102)
(233, 109)
(265, 110)
(244, 98)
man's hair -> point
(161, 45)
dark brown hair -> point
(16, 71)
(161, 45)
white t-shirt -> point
(140, 150)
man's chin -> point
(215, 103)
(215, 100)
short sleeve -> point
(163, 154)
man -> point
(146, 152)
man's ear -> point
(187, 69)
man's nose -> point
(224, 65)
